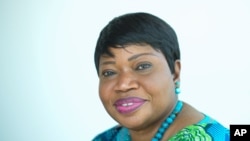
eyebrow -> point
(107, 62)
(139, 55)
(129, 59)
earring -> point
(177, 87)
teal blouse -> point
(207, 129)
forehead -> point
(132, 49)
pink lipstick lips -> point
(128, 105)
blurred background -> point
(49, 85)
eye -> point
(108, 73)
(143, 66)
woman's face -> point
(136, 85)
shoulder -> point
(207, 129)
(110, 134)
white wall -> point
(48, 83)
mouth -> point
(128, 105)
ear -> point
(177, 70)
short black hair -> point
(138, 28)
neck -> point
(145, 134)
(153, 129)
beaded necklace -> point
(166, 123)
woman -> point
(137, 59)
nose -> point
(126, 81)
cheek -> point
(102, 93)
(159, 83)
(105, 92)
(157, 79)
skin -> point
(139, 71)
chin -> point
(131, 122)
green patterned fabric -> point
(192, 133)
